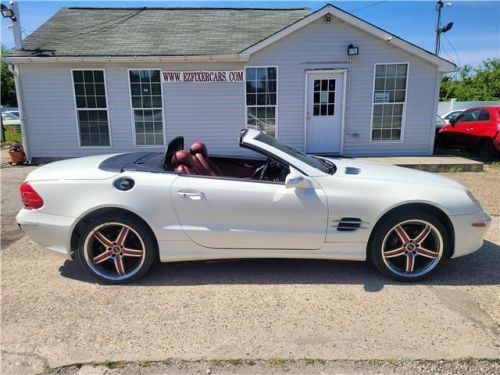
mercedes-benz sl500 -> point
(119, 213)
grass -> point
(276, 362)
(113, 364)
(12, 134)
(237, 362)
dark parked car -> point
(476, 129)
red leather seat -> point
(181, 163)
(201, 161)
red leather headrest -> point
(181, 157)
(199, 148)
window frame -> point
(467, 111)
(485, 110)
(132, 116)
(403, 114)
(276, 116)
(87, 109)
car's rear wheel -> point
(116, 249)
(409, 245)
(487, 150)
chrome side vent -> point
(349, 224)
(352, 170)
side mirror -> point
(452, 121)
(297, 181)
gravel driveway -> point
(276, 315)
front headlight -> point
(473, 199)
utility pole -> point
(440, 30)
(13, 14)
(16, 26)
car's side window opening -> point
(468, 116)
(196, 161)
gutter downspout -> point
(17, 80)
(439, 75)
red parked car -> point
(477, 129)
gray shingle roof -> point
(155, 31)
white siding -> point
(323, 45)
(212, 112)
(216, 112)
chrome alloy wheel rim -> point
(412, 248)
(114, 251)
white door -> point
(324, 112)
(241, 214)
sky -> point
(475, 35)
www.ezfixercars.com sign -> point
(203, 76)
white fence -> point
(445, 107)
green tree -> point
(8, 87)
(482, 83)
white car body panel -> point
(248, 214)
(246, 219)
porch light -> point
(7, 13)
(352, 51)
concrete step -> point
(441, 163)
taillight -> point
(30, 197)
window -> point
(261, 88)
(147, 106)
(468, 116)
(324, 97)
(389, 99)
(484, 115)
(91, 107)
(452, 115)
(323, 165)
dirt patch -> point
(280, 366)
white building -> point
(106, 80)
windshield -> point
(323, 165)
(9, 116)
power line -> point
(447, 55)
(369, 5)
(454, 50)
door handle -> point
(194, 195)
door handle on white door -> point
(191, 194)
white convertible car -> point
(119, 213)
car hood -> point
(86, 168)
(356, 169)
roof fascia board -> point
(442, 64)
(120, 59)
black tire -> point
(118, 261)
(421, 258)
(439, 142)
(487, 150)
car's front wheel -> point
(409, 245)
(116, 249)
